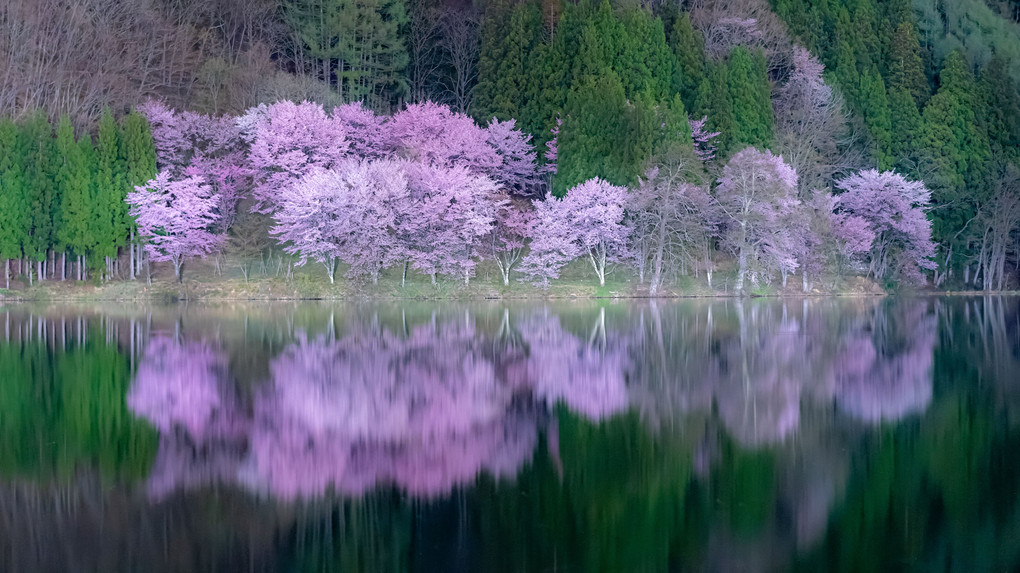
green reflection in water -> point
(64, 411)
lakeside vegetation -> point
(793, 138)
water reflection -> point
(755, 435)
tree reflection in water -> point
(750, 435)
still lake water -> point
(818, 435)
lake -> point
(867, 434)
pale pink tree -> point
(884, 369)
(703, 146)
(442, 224)
(757, 194)
(176, 218)
(516, 170)
(552, 148)
(507, 240)
(367, 133)
(346, 214)
(433, 134)
(672, 222)
(424, 412)
(894, 208)
(587, 376)
(587, 221)
(812, 124)
(181, 385)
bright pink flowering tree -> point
(368, 134)
(433, 134)
(758, 195)
(190, 144)
(177, 218)
(288, 141)
(894, 209)
(346, 214)
(588, 220)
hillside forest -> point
(761, 139)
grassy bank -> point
(205, 280)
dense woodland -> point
(814, 138)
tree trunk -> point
(741, 271)
(403, 276)
(7, 273)
(806, 286)
(653, 288)
(131, 254)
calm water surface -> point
(819, 435)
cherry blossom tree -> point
(757, 193)
(672, 222)
(894, 208)
(288, 141)
(703, 146)
(176, 218)
(368, 133)
(588, 220)
(211, 147)
(506, 242)
(433, 134)
(588, 377)
(516, 170)
(442, 223)
(347, 215)
(812, 121)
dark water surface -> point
(818, 435)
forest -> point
(753, 139)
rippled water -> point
(842, 435)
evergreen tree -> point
(844, 58)
(1001, 106)
(865, 36)
(713, 100)
(874, 107)
(109, 206)
(357, 45)
(77, 227)
(14, 207)
(953, 150)
(905, 121)
(749, 94)
(600, 44)
(508, 37)
(688, 49)
(905, 68)
(40, 173)
(137, 152)
(645, 63)
(590, 138)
